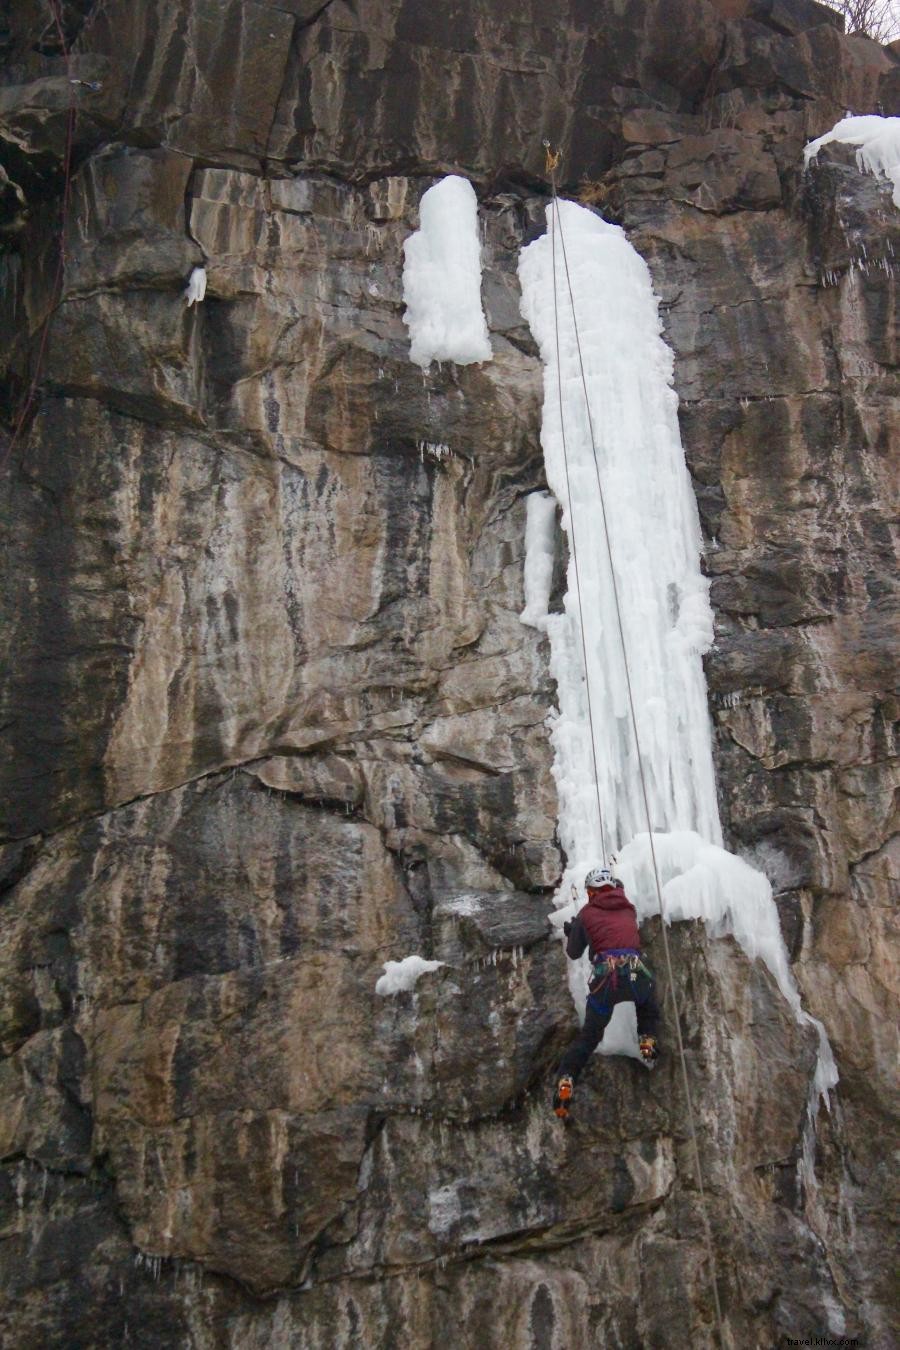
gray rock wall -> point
(269, 717)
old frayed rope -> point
(556, 225)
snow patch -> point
(442, 278)
(401, 976)
(878, 141)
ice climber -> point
(607, 926)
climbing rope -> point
(556, 223)
(56, 292)
(552, 162)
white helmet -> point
(598, 877)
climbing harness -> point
(552, 161)
(608, 970)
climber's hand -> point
(567, 927)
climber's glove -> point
(567, 927)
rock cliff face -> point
(269, 716)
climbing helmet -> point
(598, 877)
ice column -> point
(442, 278)
(655, 543)
(655, 539)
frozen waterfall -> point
(668, 624)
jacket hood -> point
(611, 897)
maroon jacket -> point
(608, 922)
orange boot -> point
(563, 1096)
(649, 1050)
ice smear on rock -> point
(878, 142)
(463, 905)
(668, 623)
(401, 976)
(442, 278)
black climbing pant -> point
(640, 991)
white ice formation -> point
(540, 532)
(655, 539)
(401, 976)
(196, 287)
(667, 619)
(878, 146)
(442, 278)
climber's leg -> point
(647, 1010)
(596, 1020)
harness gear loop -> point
(608, 968)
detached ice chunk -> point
(442, 278)
(878, 139)
(196, 287)
(400, 976)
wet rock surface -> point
(269, 718)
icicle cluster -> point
(435, 450)
(152, 1264)
(878, 146)
(514, 954)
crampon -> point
(649, 1050)
(562, 1098)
